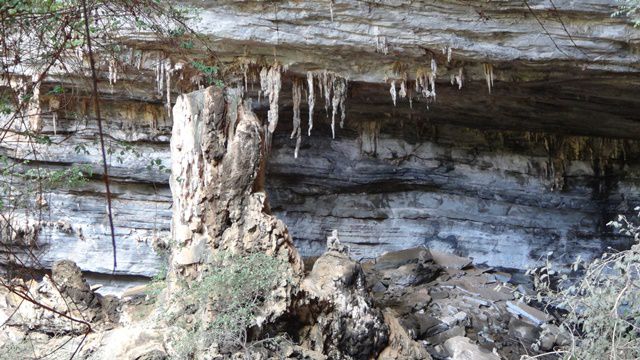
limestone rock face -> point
(346, 325)
(500, 31)
(539, 163)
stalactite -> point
(264, 85)
(311, 101)
(426, 83)
(457, 79)
(157, 75)
(264, 73)
(297, 133)
(331, 9)
(327, 79)
(54, 105)
(138, 59)
(131, 56)
(113, 72)
(488, 75)
(270, 83)
(168, 73)
(33, 107)
(403, 89)
(320, 85)
(410, 99)
(392, 91)
(54, 120)
(369, 134)
(245, 69)
(160, 75)
(343, 99)
(339, 93)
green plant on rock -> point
(602, 304)
(157, 285)
(36, 182)
(71, 177)
(208, 73)
(630, 9)
(225, 302)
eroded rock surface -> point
(345, 324)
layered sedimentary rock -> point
(525, 142)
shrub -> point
(630, 9)
(603, 304)
(226, 300)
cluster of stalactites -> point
(163, 66)
(425, 84)
(164, 70)
(561, 150)
(457, 79)
(297, 98)
(331, 87)
(426, 81)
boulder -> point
(344, 322)
(401, 269)
(461, 348)
(401, 344)
(130, 343)
(68, 278)
(523, 330)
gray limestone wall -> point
(485, 194)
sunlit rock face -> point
(528, 144)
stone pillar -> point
(217, 183)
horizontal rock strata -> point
(538, 162)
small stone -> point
(438, 293)
(523, 330)
(532, 314)
(502, 277)
(447, 334)
(450, 261)
(476, 301)
(379, 287)
(546, 342)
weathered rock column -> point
(345, 323)
(219, 203)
